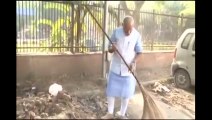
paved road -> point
(136, 104)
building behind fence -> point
(58, 27)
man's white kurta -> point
(121, 83)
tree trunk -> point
(136, 12)
(71, 29)
(124, 6)
(78, 28)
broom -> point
(151, 110)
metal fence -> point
(57, 27)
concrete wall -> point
(82, 64)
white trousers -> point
(124, 104)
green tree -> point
(60, 24)
(189, 11)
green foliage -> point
(188, 11)
(44, 21)
(189, 8)
(159, 6)
(60, 7)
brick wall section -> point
(80, 64)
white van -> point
(183, 65)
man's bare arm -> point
(137, 56)
(132, 65)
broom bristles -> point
(151, 110)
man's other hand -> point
(112, 48)
(132, 67)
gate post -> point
(105, 21)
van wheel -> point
(182, 79)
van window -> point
(186, 41)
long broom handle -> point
(115, 47)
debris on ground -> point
(160, 88)
(169, 94)
(42, 106)
(55, 88)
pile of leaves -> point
(42, 105)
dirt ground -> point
(82, 103)
(175, 97)
(153, 74)
(41, 106)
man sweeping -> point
(121, 83)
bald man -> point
(121, 82)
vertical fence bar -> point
(78, 26)
(88, 34)
(104, 39)
(25, 28)
(36, 5)
(57, 39)
(64, 28)
(96, 26)
(75, 31)
(86, 45)
(34, 25)
(118, 21)
(20, 26)
(152, 44)
(72, 28)
(86, 31)
(94, 32)
(68, 27)
(31, 24)
(38, 12)
(40, 28)
(25, 22)
(82, 31)
(23, 33)
(22, 14)
(52, 39)
(146, 38)
(89, 28)
(29, 27)
(44, 16)
(99, 41)
(29, 32)
(22, 21)
(109, 20)
(96, 29)
(61, 28)
(181, 24)
(48, 41)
